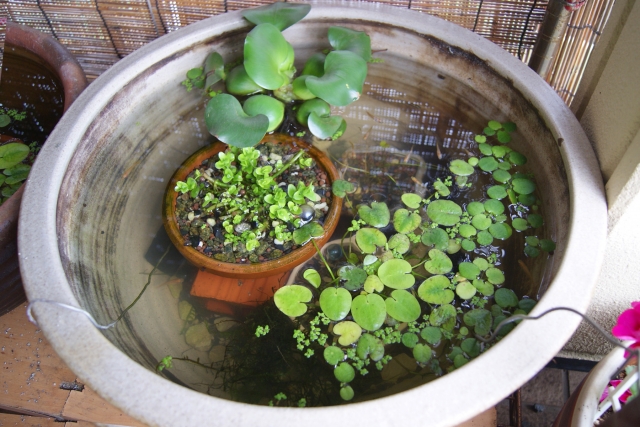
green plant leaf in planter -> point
(312, 276)
(396, 274)
(471, 346)
(314, 65)
(326, 127)
(461, 168)
(444, 212)
(411, 200)
(344, 372)
(535, 220)
(444, 317)
(497, 192)
(5, 120)
(523, 186)
(354, 41)
(520, 224)
(308, 231)
(354, 277)
(475, 208)
(493, 206)
(422, 353)
(400, 243)
(506, 298)
(436, 237)
(500, 231)
(16, 173)
(403, 306)
(410, 339)
(12, 153)
(431, 334)
(341, 188)
(291, 299)
(479, 319)
(488, 164)
(442, 188)
(333, 355)
(481, 222)
(279, 14)
(438, 263)
(227, 121)
(468, 270)
(484, 238)
(373, 284)
(526, 304)
(270, 107)
(300, 89)
(495, 276)
(369, 311)
(405, 221)
(545, 244)
(343, 78)
(368, 239)
(465, 290)
(335, 303)
(347, 331)
(318, 106)
(213, 69)
(268, 57)
(435, 290)
(371, 347)
(377, 215)
(485, 288)
(239, 83)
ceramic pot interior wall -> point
(109, 223)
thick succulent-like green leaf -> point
(227, 121)
(279, 14)
(267, 105)
(239, 83)
(213, 69)
(326, 127)
(316, 105)
(314, 65)
(300, 89)
(268, 57)
(343, 79)
(357, 42)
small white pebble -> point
(211, 221)
(282, 184)
(274, 156)
(278, 242)
(275, 223)
(191, 216)
(321, 205)
(310, 203)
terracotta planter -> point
(247, 271)
(45, 52)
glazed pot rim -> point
(456, 397)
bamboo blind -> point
(100, 32)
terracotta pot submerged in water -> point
(97, 206)
(38, 55)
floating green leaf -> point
(341, 188)
(347, 331)
(396, 274)
(354, 41)
(369, 311)
(441, 187)
(270, 107)
(368, 239)
(405, 221)
(5, 120)
(435, 290)
(506, 298)
(526, 304)
(377, 215)
(373, 284)
(467, 230)
(486, 149)
(343, 78)
(485, 288)
(279, 14)
(354, 277)
(523, 186)
(484, 238)
(461, 168)
(344, 372)
(501, 176)
(475, 208)
(497, 192)
(312, 276)
(495, 125)
(12, 153)
(493, 206)
(422, 353)
(326, 127)
(488, 164)
(400, 243)
(238, 82)
(403, 306)
(517, 158)
(438, 263)
(307, 232)
(535, 220)
(468, 270)
(318, 106)
(471, 346)
(500, 231)
(547, 245)
(520, 224)
(481, 222)
(335, 303)
(370, 347)
(465, 290)
(411, 200)
(410, 339)
(499, 151)
(213, 69)
(468, 245)
(504, 137)
(333, 355)
(290, 300)
(431, 334)
(346, 392)
(481, 263)
(531, 251)
(443, 316)
(479, 319)
(495, 276)
(444, 212)
(227, 121)
(268, 57)
(435, 237)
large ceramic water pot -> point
(96, 205)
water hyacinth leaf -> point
(500, 231)
(435, 290)
(193, 73)
(368, 239)
(400, 243)
(471, 346)
(410, 339)
(520, 224)
(403, 306)
(468, 245)
(468, 270)
(307, 232)
(313, 277)
(526, 304)
(501, 176)
(213, 69)
(465, 290)
(291, 299)
(270, 107)
(370, 347)
(443, 316)
(314, 65)
(347, 331)
(344, 372)
(481, 222)
(531, 251)
(497, 192)
(467, 230)
(333, 355)
(493, 206)
(516, 158)
(431, 334)
(523, 186)
(484, 238)
(354, 277)
(436, 237)
(495, 276)
(441, 187)
(238, 82)
(479, 319)
(343, 78)
(268, 57)
(547, 245)
(405, 221)
(475, 208)
(227, 121)
(335, 303)
(326, 127)
(300, 89)
(369, 311)
(535, 220)
(411, 200)
(444, 212)
(341, 188)
(377, 215)
(488, 164)
(422, 353)
(279, 14)
(346, 393)
(373, 284)
(461, 168)
(438, 263)
(318, 106)
(486, 149)
(12, 153)
(485, 288)
(354, 41)
(506, 298)
(396, 274)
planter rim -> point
(156, 401)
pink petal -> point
(628, 324)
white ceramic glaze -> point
(79, 169)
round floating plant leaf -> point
(517, 158)
(312, 276)
(465, 290)
(396, 274)
(520, 224)
(12, 153)
(467, 230)
(443, 316)
(499, 151)
(291, 300)
(509, 126)
(405, 221)
(436, 237)
(335, 303)
(435, 290)
(495, 207)
(347, 331)
(410, 339)
(403, 306)
(480, 139)
(344, 372)
(422, 353)
(485, 149)
(300, 89)
(468, 245)
(495, 276)
(373, 284)
(497, 192)
(5, 120)
(341, 188)
(531, 251)
(489, 131)
(468, 270)
(475, 208)
(238, 82)
(547, 245)
(503, 137)
(532, 240)
(343, 78)
(526, 304)
(495, 125)
(318, 106)
(326, 127)
(411, 200)
(501, 176)
(377, 215)
(481, 222)
(270, 107)
(333, 355)
(535, 220)
(268, 57)
(400, 243)
(506, 298)
(523, 186)
(485, 288)
(479, 319)
(438, 263)
(369, 311)
(471, 346)
(279, 14)
(444, 212)
(354, 277)
(346, 393)
(227, 121)
(370, 347)
(481, 263)
(461, 168)
(354, 41)
(431, 334)
(488, 164)
(442, 188)
(500, 231)
(368, 239)
(308, 231)
(484, 238)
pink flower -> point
(614, 384)
(628, 325)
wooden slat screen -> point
(100, 32)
